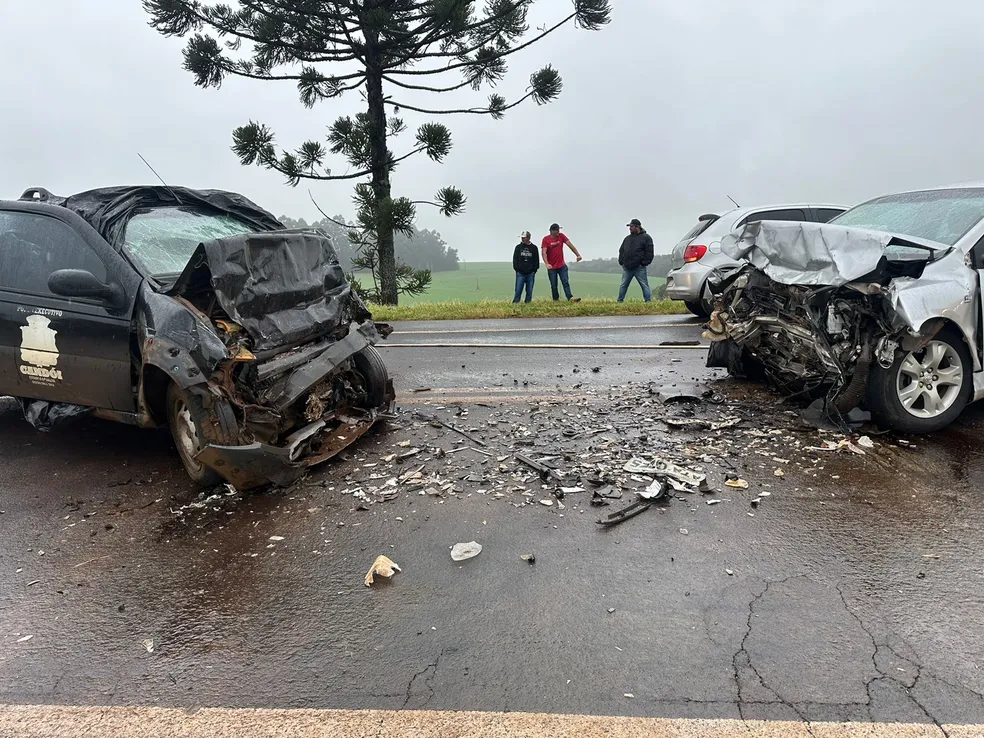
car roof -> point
(781, 206)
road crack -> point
(743, 652)
(428, 680)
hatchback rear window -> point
(703, 223)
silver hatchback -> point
(699, 252)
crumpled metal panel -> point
(946, 289)
(283, 287)
(812, 254)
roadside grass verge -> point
(457, 310)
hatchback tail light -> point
(694, 253)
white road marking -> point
(49, 721)
(568, 346)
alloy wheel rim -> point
(929, 380)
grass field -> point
(495, 280)
(539, 308)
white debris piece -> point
(464, 551)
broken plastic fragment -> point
(464, 551)
(528, 558)
(25, 639)
(148, 644)
(384, 567)
(738, 483)
(276, 538)
(547, 503)
(866, 442)
(779, 473)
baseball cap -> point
(634, 222)
(554, 227)
(525, 234)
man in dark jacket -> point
(526, 262)
(635, 254)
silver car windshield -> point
(943, 216)
(163, 239)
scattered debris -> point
(547, 503)
(276, 538)
(25, 639)
(866, 442)
(729, 572)
(736, 482)
(545, 471)
(148, 644)
(383, 566)
(465, 551)
(684, 531)
(529, 558)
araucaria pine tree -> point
(385, 48)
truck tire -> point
(192, 427)
(923, 391)
(370, 365)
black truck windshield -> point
(163, 239)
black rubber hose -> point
(850, 398)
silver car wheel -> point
(930, 380)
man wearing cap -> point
(552, 247)
(526, 262)
(635, 254)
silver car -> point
(880, 308)
(699, 252)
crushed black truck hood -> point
(284, 288)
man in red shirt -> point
(552, 248)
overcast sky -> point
(664, 113)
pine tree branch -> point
(473, 111)
(431, 40)
(500, 55)
(240, 32)
(406, 86)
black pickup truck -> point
(194, 309)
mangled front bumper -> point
(259, 464)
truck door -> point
(74, 350)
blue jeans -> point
(553, 274)
(524, 281)
(641, 276)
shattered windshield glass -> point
(943, 216)
(163, 239)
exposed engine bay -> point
(816, 307)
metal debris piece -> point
(529, 558)
(661, 467)
(654, 491)
(620, 516)
(701, 425)
(465, 551)
(382, 566)
(544, 471)
(434, 419)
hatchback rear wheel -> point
(925, 390)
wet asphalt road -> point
(856, 589)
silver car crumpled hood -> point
(812, 254)
(822, 254)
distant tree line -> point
(425, 250)
(659, 267)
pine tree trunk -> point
(380, 183)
